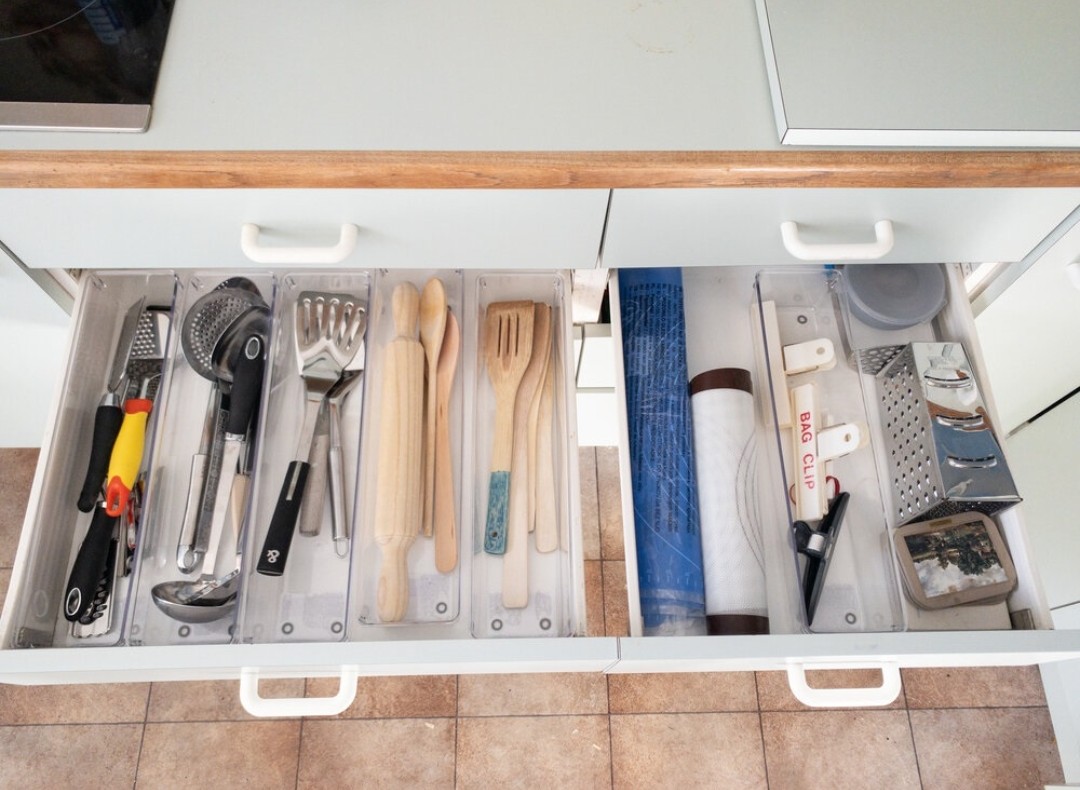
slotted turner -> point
(329, 330)
(508, 341)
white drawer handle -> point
(872, 697)
(249, 243)
(883, 231)
(291, 707)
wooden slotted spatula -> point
(507, 347)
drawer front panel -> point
(104, 229)
(688, 227)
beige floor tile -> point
(590, 508)
(690, 692)
(594, 598)
(687, 750)
(416, 696)
(837, 750)
(774, 693)
(616, 606)
(534, 752)
(75, 704)
(211, 700)
(386, 753)
(532, 695)
(260, 754)
(69, 756)
(1006, 748)
(610, 501)
(974, 687)
(17, 465)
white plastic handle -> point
(883, 232)
(872, 697)
(249, 243)
(291, 707)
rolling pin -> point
(398, 493)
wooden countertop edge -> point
(544, 170)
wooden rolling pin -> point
(398, 493)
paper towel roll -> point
(722, 407)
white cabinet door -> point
(201, 228)
(993, 73)
(723, 227)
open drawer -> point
(723, 330)
(324, 614)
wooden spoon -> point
(446, 540)
(432, 327)
(547, 535)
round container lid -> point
(895, 295)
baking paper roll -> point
(722, 407)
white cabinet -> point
(925, 73)
(696, 227)
(173, 228)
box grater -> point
(943, 456)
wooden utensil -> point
(432, 327)
(541, 346)
(445, 523)
(507, 348)
(515, 587)
(398, 488)
(546, 532)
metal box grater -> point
(943, 456)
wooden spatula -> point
(432, 327)
(507, 348)
(398, 505)
(515, 589)
(446, 539)
(546, 529)
(541, 348)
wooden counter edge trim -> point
(532, 170)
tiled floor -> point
(951, 728)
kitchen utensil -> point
(90, 566)
(398, 508)
(432, 328)
(109, 415)
(339, 523)
(210, 597)
(544, 348)
(546, 534)
(895, 295)
(444, 511)
(329, 330)
(515, 587)
(507, 348)
(313, 505)
(186, 558)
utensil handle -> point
(339, 526)
(186, 557)
(444, 514)
(393, 591)
(499, 481)
(313, 506)
(107, 421)
(89, 565)
(515, 581)
(275, 550)
(126, 455)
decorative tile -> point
(542, 752)
(616, 605)
(409, 696)
(774, 693)
(974, 687)
(211, 700)
(376, 753)
(1006, 748)
(17, 465)
(687, 750)
(612, 545)
(75, 704)
(69, 756)
(594, 598)
(840, 749)
(532, 694)
(590, 508)
(690, 692)
(260, 754)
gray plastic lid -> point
(895, 295)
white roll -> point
(722, 408)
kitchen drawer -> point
(390, 228)
(720, 334)
(723, 227)
(1029, 361)
(150, 647)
